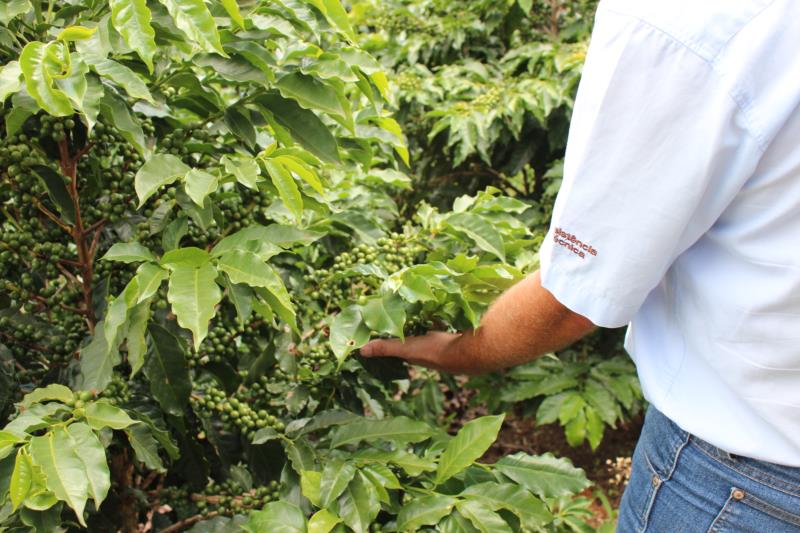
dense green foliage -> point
(207, 207)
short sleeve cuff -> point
(584, 299)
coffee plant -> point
(485, 92)
(203, 216)
(485, 89)
(586, 390)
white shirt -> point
(680, 211)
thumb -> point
(383, 348)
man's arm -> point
(523, 323)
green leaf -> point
(277, 516)
(525, 5)
(335, 477)
(246, 267)
(264, 435)
(194, 295)
(64, 472)
(300, 455)
(10, 79)
(44, 521)
(455, 522)
(246, 170)
(93, 457)
(10, 9)
(602, 401)
(570, 408)
(117, 112)
(399, 429)
(322, 521)
(128, 252)
(479, 230)
(40, 64)
(8, 442)
(137, 342)
(75, 33)
(303, 170)
(157, 171)
(359, 504)
(242, 298)
(131, 18)
(548, 410)
(276, 304)
(149, 276)
(424, 511)
(167, 370)
(386, 314)
(287, 188)
(98, 360)
(20, 479)
(200, 184)
(182, 258)
(575, 429)
(265, 241)
(241, 125)
(117, 313)
(469, 444)
(193, 18)
(54, 391)
(594, 427)
(311, 93)
(233, 11)
(39, 498)
(102, 415)
(124, 77)
(174, 232)
(56, 188)
(532, 512)
(348, 332)
(529, 389)
(337, 15)
(381, 475)
(304, 126)
(144, 446)
(483, 517)
(544, 475)
(310, 482)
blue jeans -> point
(680, 483)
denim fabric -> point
(680, 483)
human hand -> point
(433, 350)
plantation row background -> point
(207, 207)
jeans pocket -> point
(745, 513)
(637, 501)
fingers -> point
(384, 348)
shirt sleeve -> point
(658, 147)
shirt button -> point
(656, 481)
(738, 494)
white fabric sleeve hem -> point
(584, 300)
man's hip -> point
(680, 483)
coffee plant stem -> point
(122, 471)
(69, 167)
(186, 522)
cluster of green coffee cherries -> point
(315, 356)
(117, 391)
(488, 100)
(338, 284)
(229, 498)
(234, 413)
(79, 399)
